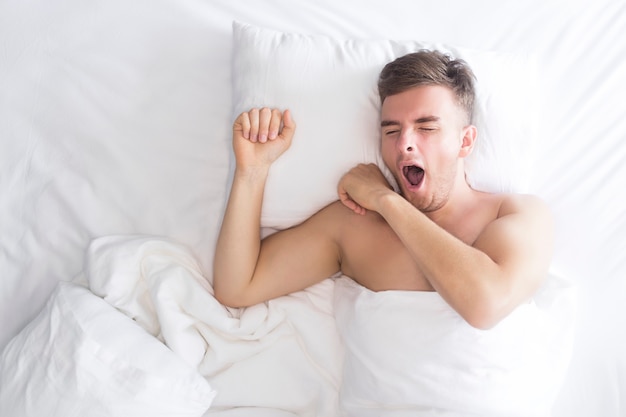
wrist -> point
(386, 200)
(257, 173)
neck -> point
(460, 199)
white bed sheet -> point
(104, 104)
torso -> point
(373, 255)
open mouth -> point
(413, 174)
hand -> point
(259, 139)
(360, 188)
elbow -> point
(225, 300)
(486, 314)
(488, 304)
(482, 321)
(228, 298)
(229, 301)
(229, 291)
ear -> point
(468, 140)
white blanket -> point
(81, 357)
(406, 353)
(284, 354)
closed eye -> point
(428, 127)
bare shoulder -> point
(328, 221)
(520, 242)
(346, 227)
(331, 215)
(524, 224)
(524, 205)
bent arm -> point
(247, 270)
(239, 241)
(484, 281)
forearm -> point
(239, 241)
(464, 276)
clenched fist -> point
(260, 136)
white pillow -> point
(82, 357)
(331, 87)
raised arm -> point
(246, 269)
(483, 280)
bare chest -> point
(374, 256)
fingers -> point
(254, 125)
(345, 199)
(274, 124)
(289, 127)
(360, 188)
(242, 124)
(264, 115)
(352, 205)
(261, 125)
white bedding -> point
(291, 341)
(115, 121)
(100, 345)
(81, 357)
(437, 364)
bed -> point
(115, 129)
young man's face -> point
(422, 137)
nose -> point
(407, 141)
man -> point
(485, 254)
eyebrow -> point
(426, 119)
